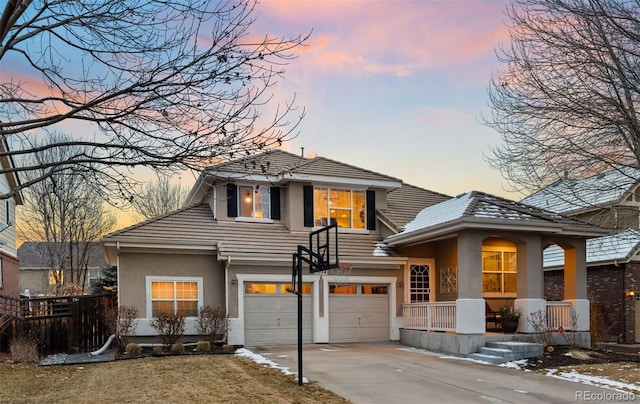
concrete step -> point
(521, 350)
(506, 354)
(493, 359)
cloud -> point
(389, 37)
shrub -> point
(122, 322)
(126, 325)
(228, 348)
(177, 349)
(213, 323)
(170, 327)
(72, 289)
(203, 346)
(133, 349)
(24, 348)
(157, 350)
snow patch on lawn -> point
(597, 381)
(245, 353)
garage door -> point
(271, 314)
(358, 313)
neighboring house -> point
(9, 270)
(412, 251)
(613, 284)
(611, 200)
(37, 266)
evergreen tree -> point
(108, 280)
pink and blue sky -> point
(393, 86)
(396, 87)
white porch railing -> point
(437, 316)
(560, 314)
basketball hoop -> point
(341, 273)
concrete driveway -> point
(393, 373)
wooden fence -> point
(60, 324)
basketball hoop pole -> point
(318, 261)
(299, 294)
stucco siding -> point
(135, 267)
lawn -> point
(185, 379)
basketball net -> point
(341, 273)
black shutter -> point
(307, 196)
(371, 210)
(275, 203)
(232, 200)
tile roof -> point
(403, 204)
(195, 227)
(572, 195)
(282, 164)
(36, 254)
(618, 247)
(485, 210)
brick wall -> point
(606, 286)
(10, 276)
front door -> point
(420, 282)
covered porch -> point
(494, 249)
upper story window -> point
(499, 270)
(345, 207)
(350, 209)
(254, 201)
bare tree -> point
(65, 213)
(158, 198)
(566, 99)
(167, 85)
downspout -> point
(118, 270)
(226, 283)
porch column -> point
(530, 281)
(575, 282)
(470, 305)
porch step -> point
(506, 354)
(493, 359)
(507, 351)
(520, 349)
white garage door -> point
(358, 313)
(271, 314)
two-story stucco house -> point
(232, 247)
(424, 265)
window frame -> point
(422, 291)
(7, 212)
(502, 272)
(353, 211)
(149, 280)
(265, 192)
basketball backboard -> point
(323, 246)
